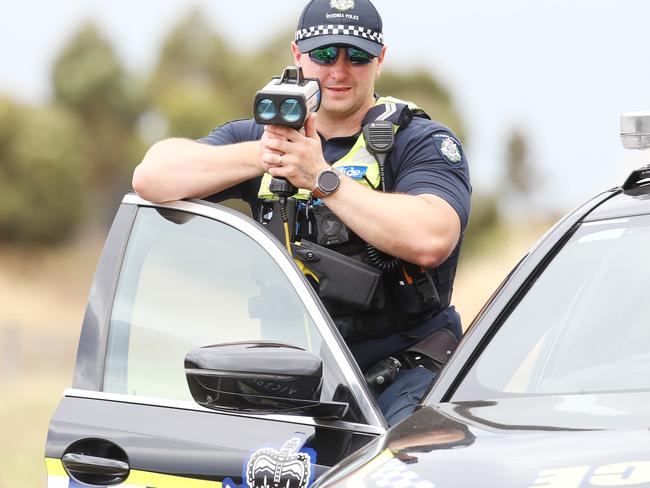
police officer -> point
(419, 219)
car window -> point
(582, 326)
(188, 281)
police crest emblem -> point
(286, 468)
(449, 148)
(342, 5)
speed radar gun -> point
(287, 100)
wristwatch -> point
(327, 182)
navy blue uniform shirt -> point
(426, 158)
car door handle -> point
(95, 470)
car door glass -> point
(188, 281)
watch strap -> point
(318, 193)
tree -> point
(520, 175)
(192, 84)
(42, 174)
(89, 80)
(521, 179)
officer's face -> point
(345, 88)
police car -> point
(206, 360)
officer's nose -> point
(341, 65)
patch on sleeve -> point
(449, 148)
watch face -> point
(328, 181)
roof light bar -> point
(635, 130)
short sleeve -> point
(430, 159)
(233, 133)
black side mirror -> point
(260, 378)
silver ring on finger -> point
(280, 160)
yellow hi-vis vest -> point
(358, 164)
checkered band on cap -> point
(340, 29)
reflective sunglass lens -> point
(357, 56)
(326, 55)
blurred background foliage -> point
(90, 82)
(65, 166)
(42, 173)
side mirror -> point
(259, 378)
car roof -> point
(622, 204)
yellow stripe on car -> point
(136, 479)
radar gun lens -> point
(291, 110)
(266, 109)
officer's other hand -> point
(301, 153)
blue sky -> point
(561, 70)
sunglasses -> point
(328, 55)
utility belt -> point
(431, 353)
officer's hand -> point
(271, 158)
(301, 153)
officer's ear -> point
(296, 53)
(380, 61)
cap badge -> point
(342, 5)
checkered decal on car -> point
(340, 29)
(396, 474)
